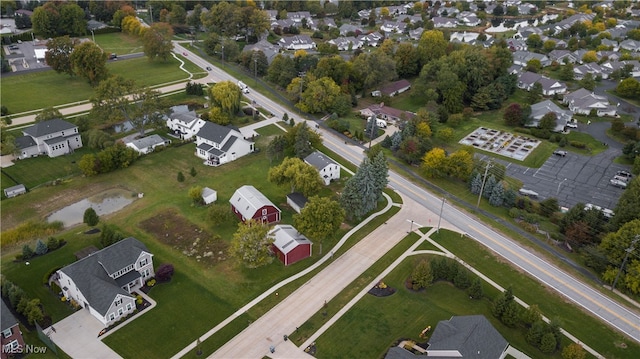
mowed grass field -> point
(33, 91)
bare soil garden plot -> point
(171, 228)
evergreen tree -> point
(497, 195)
(193, 172)
(511, 314)
(548, 343)
(180, 177)
(509, 198)
(535, 333)
(91, 217)
(461, 280)
(371, 129)
(476, 183)
(27, 252)
(302, 145)
(396, 140)
(41, 247)
(53, 243)
(422, 276)
(475, 290)
(488, 187)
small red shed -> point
(288, 244)
(249, 203)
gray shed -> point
(15, 191)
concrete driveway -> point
(77, 335)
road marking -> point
(580, 292)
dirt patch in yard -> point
(171, 228)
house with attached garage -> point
(248, 203)
(147, 144)
(297, 42)
(11, 342)
(218, 145)
(389, 114)
(53, 137)
(103, 282)
(540, 109)
(185, 124)
(583, 101)
(289, 245)
(327, 168)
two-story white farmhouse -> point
(327, 168)
(53, 137)
(185, 124)
(103, 281)
(219, 144)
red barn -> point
(249, 203)
(288, 244)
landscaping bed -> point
(171, 228)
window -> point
(112, 316)
(120, 311)
(7, 333)
(12, 347)
(144, 262)
(118, 301)
(264, 212)
(128, 306)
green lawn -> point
(119, 43)
(28, 92)
(39, 170)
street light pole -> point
(93, 36)
(624, 261)
(560, 184)
(411, 227)
(255, 70)
(222, 55)
(440, 218)
(484, 179)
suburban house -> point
(218, 145)
(185, 125)
(346, 43)
(11, 341)
(393, 88)
(327, 168)
(147, 144)
(345, 29)
(389, 114)
(469, 336)
(268, 49)
(390, 27)
(53, 137)
(297, 42)
(16, 190)
(584, 101)
(552, 87)
(444, 22)
(297, 201)
(289, 245)
(209, 195)
(527, 79)
(249, 203)
(103, 282)
(540, 109)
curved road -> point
(623, 319)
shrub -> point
(218, 214)
(578, 144)
(151, 282)
(138, 299)
(193, 172)
(53, 243)
(180, 177)
(27, 252)
(164, 272)
(563, 141)
(41, 248)
(48, 274)
(528, 227)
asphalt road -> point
(573, 289)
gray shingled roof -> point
(247, 200)
(298, 198)
(214, 132)
(91, 274)
(25, 142)
(469, 335)
(319, 160)
(147, 141)
(7, 320)
(47, 127)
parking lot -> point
(572, 178)
(22, 56)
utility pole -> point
(440, 218)
(222, 55)
(255, 69)
(484, 179)
(624, 261)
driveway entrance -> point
(77, 335)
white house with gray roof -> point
(218, 145)
(583, 101)
(185, 125)
(327, 168)
(53, 137)
(297, 42)
(540, 109)
(147, 144)
(103, 282)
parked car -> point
(208, 68)
(560, 153)
(624, 174)
(572, 125)
(617, 183)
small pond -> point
(103, 203)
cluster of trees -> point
(58, 18)
(299, 141)
(427, 271)
(31, 308)
(67, 56)
(362, 192)
(193, 88)
(109, 235)
(459, 164)
(107, 160)
(118, 99)
(319, 219)
(414, 138)
(40, 249)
